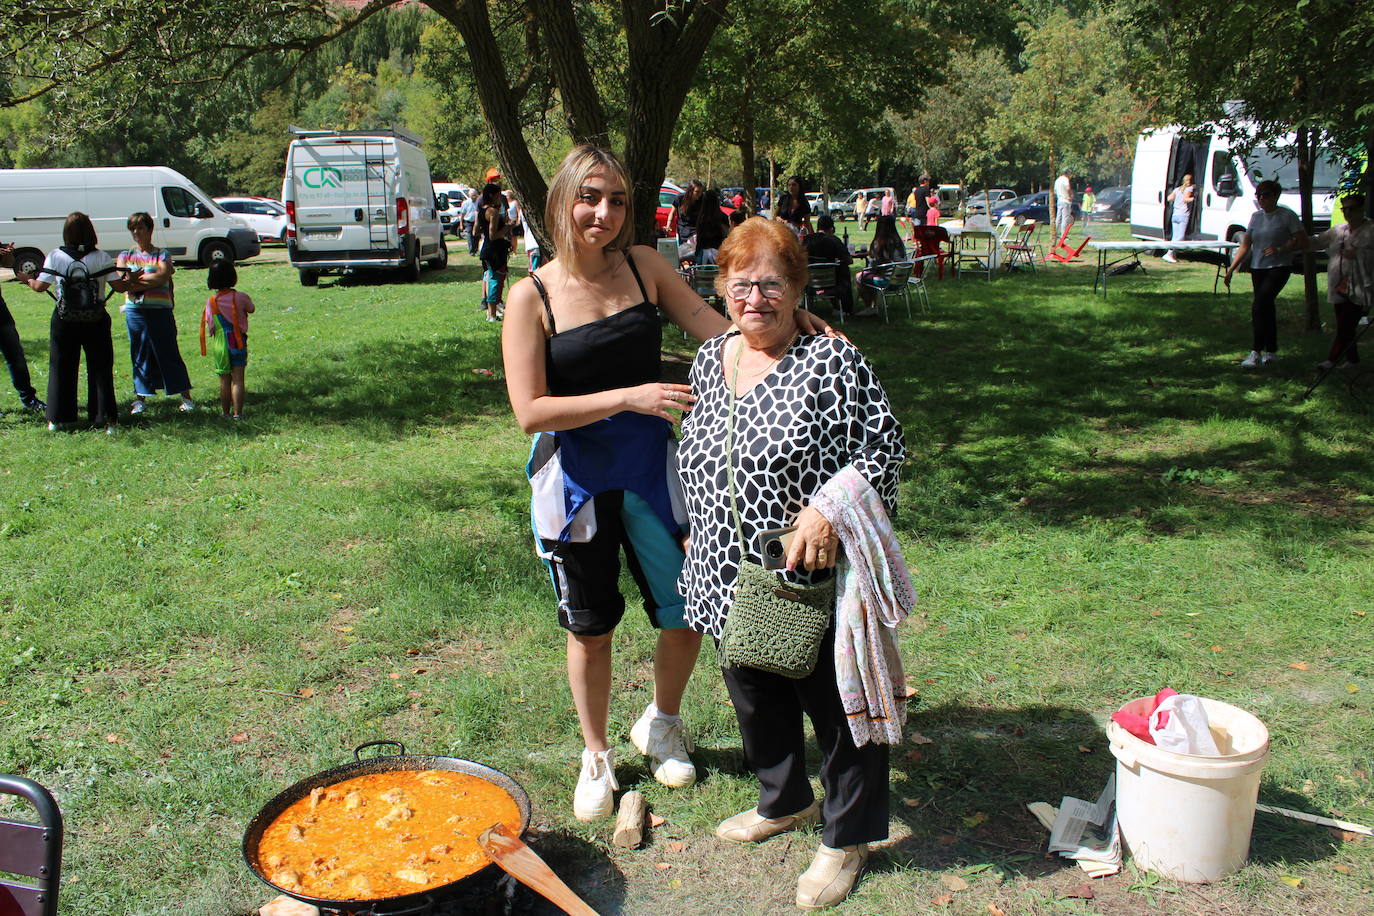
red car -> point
(667, 196)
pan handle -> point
(358, 751)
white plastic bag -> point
(1179, 724)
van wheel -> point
(310, 277)
(214, 251)
(1235, 235)
(440, 260)
(410, 270)
(28, 261)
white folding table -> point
(1111, 254)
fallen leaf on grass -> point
(912, 802)
(1291, 880)
(910, 691)
(1228, 674)
(1156, 613)
(415, 694)
(1299, 666)
(306, 693)
(1218, 649)
(657, 820)
(662, 866)
(918, 738)
(914, 755)
(675, 846)
(974, 820)
(418, 670)
(1343, 869)
(954, 883)
(1352, 688)
(1084, 750)
(942, 900)
(995, 910)
(344, 629)
(1358, 613)
(395, 675)
(1082, 892)
(239, 738)
(1346, 836)
(114, 739)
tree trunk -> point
(1307, 147)
(568, 60)
(499, 109)
(747, 162)
(663, 59)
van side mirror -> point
(1226, 186)
(200, 211)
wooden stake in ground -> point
(524, 864)
(629, 822)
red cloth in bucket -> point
(1140, 725)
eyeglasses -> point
(769, 287)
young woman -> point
(885, 248)
(493, 233)
(147, 308)
(582, 345)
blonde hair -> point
(757, 237)
(580, 162)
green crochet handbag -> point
(773, 625)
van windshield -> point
(1279, 164)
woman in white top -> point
(1182, 198)
(74, 330)
(1271, 238)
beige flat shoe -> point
(831, 876)
(752, 827)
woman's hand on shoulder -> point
(811, 323)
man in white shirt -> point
(1063, 204)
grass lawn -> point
(1099, 503)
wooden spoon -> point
(524, 864)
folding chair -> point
(894, 277)
(703, 283)
(934, 240)
(822, 282)
(917, 281)
(976, 253)
(1020, 248)
(1061, 251)
(31, 850)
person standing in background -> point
(1349, 278)
(1063, 204)
(1182, 198)
(1269, 241)
(147, 309)
(467, 214)
(13, 348)
(1089, 201)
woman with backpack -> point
(80, 271)
(147, 309)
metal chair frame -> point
(822, 282)
(31, 850)
(897, 274)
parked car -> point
(1113, 204)
(842, 204)
(992, 197)
(265, 216)
(454, 194)
(1032, 206)
(855, 200)
(668, 195)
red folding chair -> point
(1061, 251)
(934, 240)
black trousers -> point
(13, 350)
(1268, 283)
(67, 340)
(769, 709)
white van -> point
(360, 198)
(34, 204)
(452, 193)
(1225, 184)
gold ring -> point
(821, 554)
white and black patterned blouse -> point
(819, 410)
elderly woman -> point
(147, 308)
(794, 431)
(1271, 238)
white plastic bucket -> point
(1183, 816)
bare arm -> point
(152, 279)
(523, 344)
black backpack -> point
(80, 300)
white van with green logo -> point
(359, 199)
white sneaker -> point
(138, 406)
(1170, 257)
(594, 796)
(1267, 358)
(187, 405)
(667, 743)
(1251, 361)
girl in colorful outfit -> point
(493, 229)
(582, 345)
(226, 312)
(148, 316)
